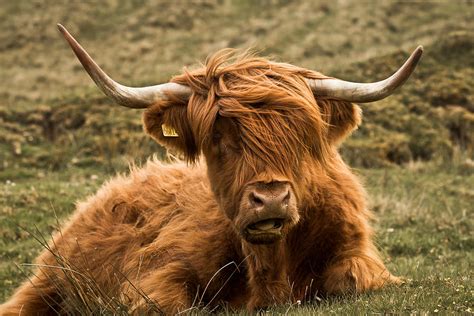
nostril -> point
(255, 200)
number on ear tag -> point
(168, 131)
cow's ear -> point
(167, 123)
(342, 117)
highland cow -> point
(269, 215)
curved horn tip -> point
(415, 56)
(61, 28)
(418, 51)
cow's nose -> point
(270, 206)
(273, 197)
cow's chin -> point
(264, 232)
(262, 238)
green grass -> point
(60, 138)
(424, 228)
(32, 205)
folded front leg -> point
(356, 271)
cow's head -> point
(262, 127)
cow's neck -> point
(267, 273)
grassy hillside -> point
(47, 99)
(60, 138)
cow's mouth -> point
(264, 232)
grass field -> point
(60, 139)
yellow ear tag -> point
(168, 131)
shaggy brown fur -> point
(170, 231)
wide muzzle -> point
(269, 208)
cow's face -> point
(262, 134)
(253, 186)
(261, 156)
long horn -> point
(365, 92)
(138, 98)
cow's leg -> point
(356, 271)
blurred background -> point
(60, 138)
(54, 117)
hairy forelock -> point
(270, 102)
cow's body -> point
(158, 229)
(161, 231)
(265, 212)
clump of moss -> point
(460, 123)
(73, 134)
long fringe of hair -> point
(271, 102)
